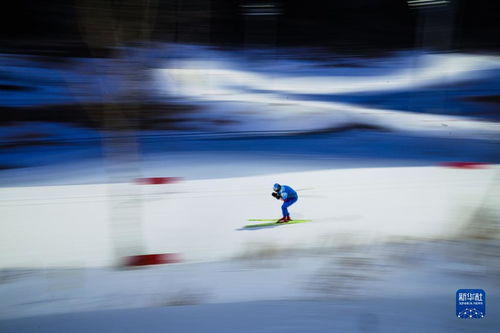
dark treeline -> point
(339, 24)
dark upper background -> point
(64, 26)
(35, 134)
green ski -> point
(274, 223)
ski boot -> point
(282, 220)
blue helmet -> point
(276, 187)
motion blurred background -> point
(139, 137)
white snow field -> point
(397, 287)
(79, 225)
(384, 252)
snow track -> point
(80, 225)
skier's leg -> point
(288, 203)
(284, 209)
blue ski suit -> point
(289, 197)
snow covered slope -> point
(79, 225)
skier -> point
(289, 196)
